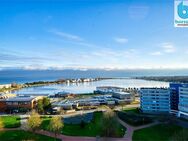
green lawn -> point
(20, 135)
(162, 132)
(90, 129)
(10, 121)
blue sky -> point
(80, 34)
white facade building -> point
(155, 100)
(109, 89)
(5, 86)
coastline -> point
(177, 79)
(15, 86)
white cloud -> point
(168, 47)
(121, 40)
(156, 53)
(67, 35)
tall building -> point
(174, 95)
(155, 100)
(183, 101)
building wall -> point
(183, 99)
(2, 106)
(174, 95)
(27, 105)
(7, 105)
(155, 100)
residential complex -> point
(167, 100)
(155, 100)
(110, 96)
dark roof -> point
(19, 99)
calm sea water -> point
(23, 76)
(88, 87)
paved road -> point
(118, 108)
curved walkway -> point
(130, 129)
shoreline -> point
(176, 79)
(45, 83)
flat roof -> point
(19, 98)
(110, 87)
(154, 88)
(122, 93)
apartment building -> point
(183, 101)
(174, 95)
(155, 100)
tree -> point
(40, 106)
(43, 105)
(1, 123)
(34, 121)
(46, 103)
(109, 124)
(56, 125)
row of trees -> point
(34, 122)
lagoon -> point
(89, 87)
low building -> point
(155, 100)
(64, 104)
(20, 102)
(122, 95)
(5, 86)
(108, 89)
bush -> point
(134, 119)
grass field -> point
(90, 129)
(20, 135)
(11, 121)
(162, 132)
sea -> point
(124, 78)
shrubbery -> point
(134, 119)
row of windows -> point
(17, 103)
